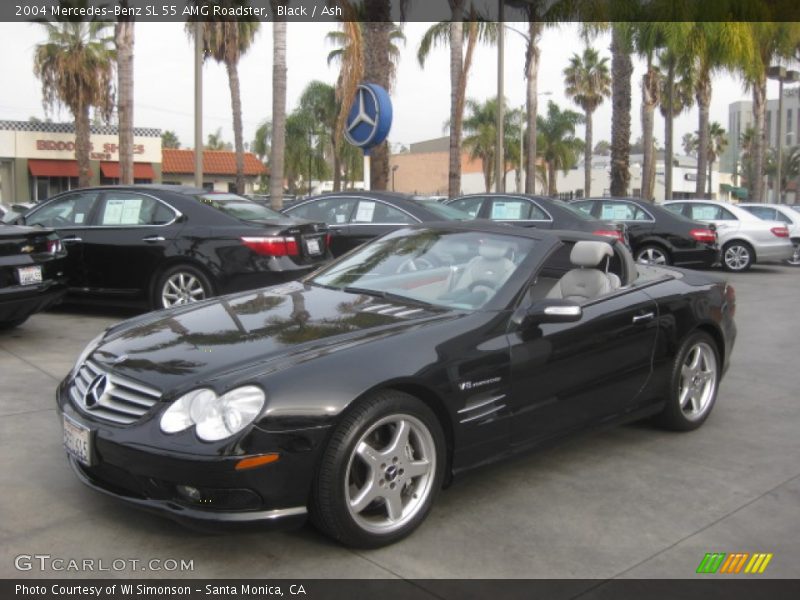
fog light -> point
(189, 492)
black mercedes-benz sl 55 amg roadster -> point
(356, 394)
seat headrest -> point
(492, 250)
(589, 254)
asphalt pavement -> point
(632, 502)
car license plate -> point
(313, 247)
(30, 275)
(78, 441)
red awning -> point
(53, 168)
(140, 170)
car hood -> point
(270, 328)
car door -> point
(69, 215)
(372, 218)
(130, 237)
(568, 376)
(523, 212)
(335, 212)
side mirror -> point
(552, 311)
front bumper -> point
(776, 252)
(129, 466)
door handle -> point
(71, 240)
(153, 238)
(645, 317)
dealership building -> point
(37, 160)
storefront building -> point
(219, 169)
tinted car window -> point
(762, 212)
(69, 211)
(239, 207)
(710, 212)
(471, 206)
(585, 207)
(445, 211)
(129, 209)
(622, 211)
(675, 208)
(333, 211)
(370, 211)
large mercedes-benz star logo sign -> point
(362, 116)
(363, 120)
(95, 391)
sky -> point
(164, 81)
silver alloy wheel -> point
(736, 257)
(181, 288)
(698, 382)
(652, 256)
(390, 473)
(795, 260)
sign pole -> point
(367, 172)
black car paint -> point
(123, 262)
(667, 230)
(349, 234)
(25, 247)
(315, 351)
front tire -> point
(381, 471)
(737, 256)
(181, 284)
(694, 384)
(653, 255)
(795, 260)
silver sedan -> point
(787, 215)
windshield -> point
(452, 269)
(241, 208)
(444, 211)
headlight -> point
(215, 417)
(90, 347)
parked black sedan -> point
(164, 245)
(535, 211)
(657, 235)
(31, 272)
(356, 393)
(354, 217)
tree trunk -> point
(124, 38)
(236, 106)
(703, 96)
(278, 112)
(587, 157)
(337, 168)
(621, 71)
(377, 69)
(487, 173)
(82, 144)
(552, 190)
(668, 122)
(532, 101)
(756, 191)
(456, 102)
(649, 101)
(710, 171)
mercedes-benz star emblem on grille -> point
(95, 391)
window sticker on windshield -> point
(340, 217)
(704, 212)
(615, 212)
(365, 211)
(506, 210)
(78, 218)
(122, 212)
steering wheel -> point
(410, 265)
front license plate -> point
(313, 247)
(78, 441)
(30, 275)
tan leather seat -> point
(586, 282)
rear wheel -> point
(381, 471)
(653, 254)
(737, 256)
(795, 260)
(181, 284)
(693, 385)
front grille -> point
(110, 397)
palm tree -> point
(226, 41)
(454, 33)
(621, 72)
(588, 83)
(557, 144)
(215, 141)
(717, 142)
(124, 41)
(771, 41)
(690, 143)
(480, 129)
(76, 68)
(261, 146)
(169, 139)
(676, 97)
(278, 106)
(318, 103)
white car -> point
(744, 238)
(787, 215)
